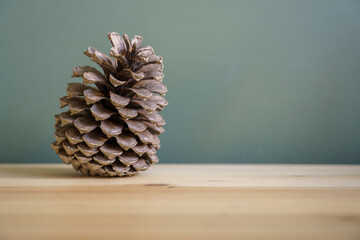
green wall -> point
(249, 81)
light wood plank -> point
(182, 202)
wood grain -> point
(182, 202)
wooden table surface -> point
(182, 202)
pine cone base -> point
(112, 123)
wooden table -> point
(182, 202)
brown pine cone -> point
(112, 125)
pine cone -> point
(112, 123)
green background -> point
(249, 81)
